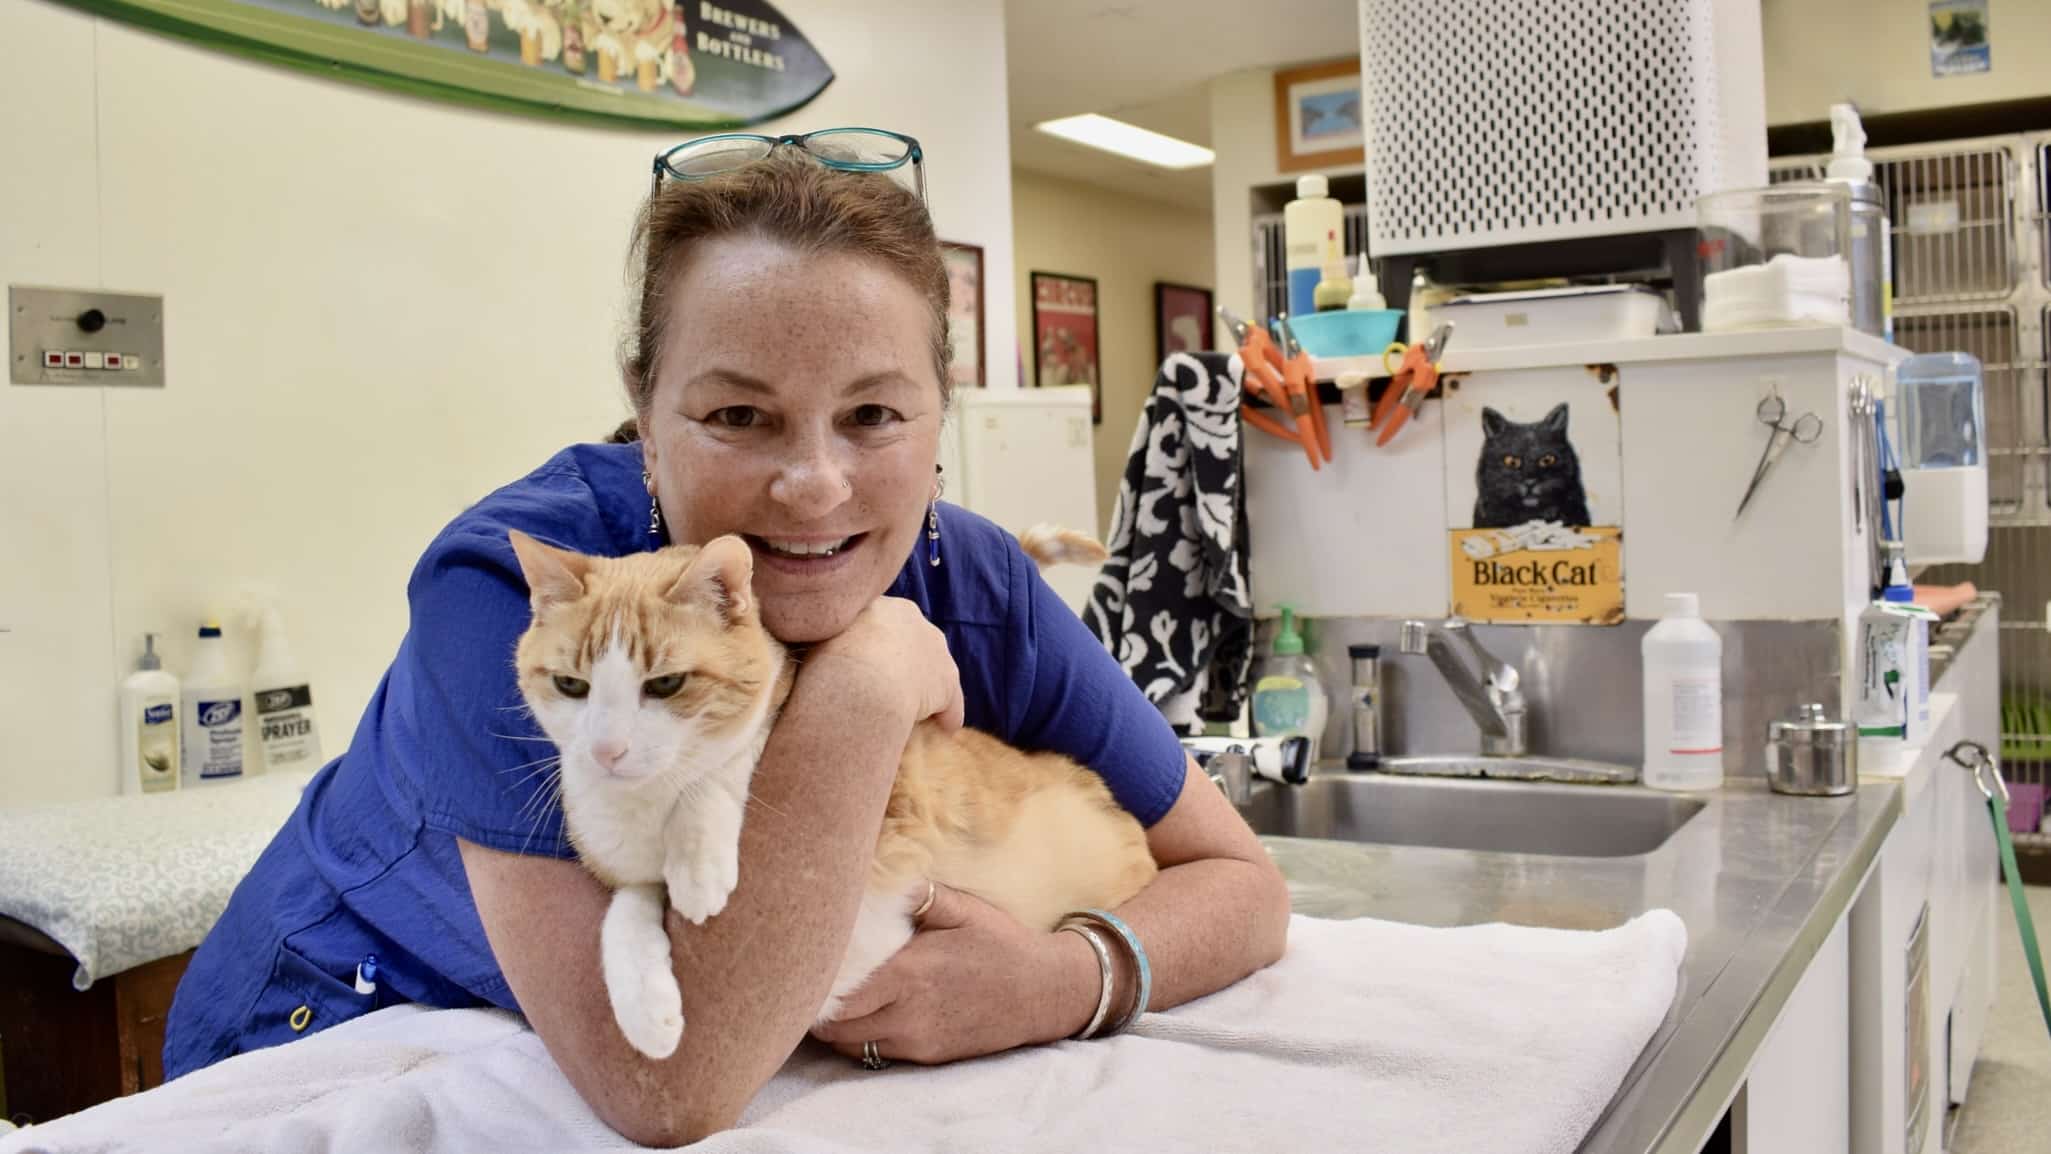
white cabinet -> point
(1025, 456)
(1797, 1097)
(1918, 1010)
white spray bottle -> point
(287, 737)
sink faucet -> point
(1493, 699)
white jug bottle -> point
(1683, 660)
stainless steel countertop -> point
(1758, 878)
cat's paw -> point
(652, 1016)
(700, 892)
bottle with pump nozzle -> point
(149, 725)
(1288, 697)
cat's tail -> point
(1050, 545)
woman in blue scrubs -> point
(787, 369)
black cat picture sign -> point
(1534, 496)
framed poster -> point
(1182, 319)
(1534, 496)
(1958, 38)
(1065, 335)
(654, 63)
(966, 366)
(1317, 116)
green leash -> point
(1974, 756)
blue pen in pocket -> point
(366, 975)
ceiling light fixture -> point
(1128, 140)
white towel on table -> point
(1368, 1034)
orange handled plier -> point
(1409, 383)
(1269, 376)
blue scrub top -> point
(367, 866)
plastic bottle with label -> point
(1313, 236)
(1288, 697)
(149, 725)
(1683, 660)
(281, 697)
(211, 700)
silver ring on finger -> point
(871, 1060)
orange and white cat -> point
(656, 681)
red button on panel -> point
(74, 360)
(53, 359)
(111, 361)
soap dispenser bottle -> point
(1683, 674)
(1288, 697)
(149, 725)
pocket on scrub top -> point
(301, 998)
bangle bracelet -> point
(1103, 953)
(1142, 972)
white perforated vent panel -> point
(1502, 121)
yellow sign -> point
(1539, 574)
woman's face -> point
(796, 406)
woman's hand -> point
(894, 645)
(972, 981)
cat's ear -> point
(1492, 422)
(1556, 421)
(554, 576)
(720, 573)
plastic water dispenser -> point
(1943, 421)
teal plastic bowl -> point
(1346, 332)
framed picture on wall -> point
(1065, 348)
(1318, 117)
(967, 367)
(1182, 319)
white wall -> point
(1127, 243)
(377, 310)
(1877, 54)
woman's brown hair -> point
(793, 200)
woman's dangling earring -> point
(933, 515)
(654, 507)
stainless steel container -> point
(1867, 256)
(1811, 755)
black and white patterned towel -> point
(1171, 603)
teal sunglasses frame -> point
(914, 155)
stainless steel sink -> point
(1493, 816)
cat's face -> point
(1530, 467)
(646, 668)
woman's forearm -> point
(1204, 924)
(1216, 913)
(754, 977)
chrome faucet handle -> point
(1501, 676)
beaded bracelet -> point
(1103, 952)
(1137, 953)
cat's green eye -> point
(1512, 461)
(571, 686)
(664, 686)
(1548, 461)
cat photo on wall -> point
(1534, 495)
(1528, 472)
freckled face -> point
(796, 406)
